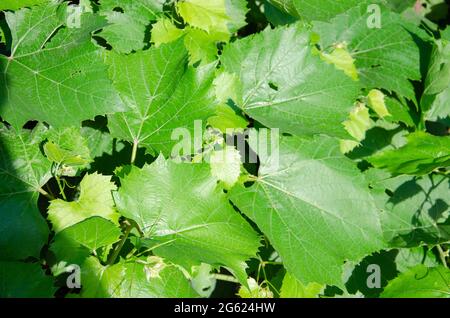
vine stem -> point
(121, 243)
(61, 189)
(134, 151)
(225, 278)
(45, 194)
(442, 255)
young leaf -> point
(420, 282)
(377, 102)
(95, 200)
(179, 207)
(314, 207)
(254, 290)
(67, 147)
(222, 16)
(292, 288)
(134, 279)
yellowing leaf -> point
(226, 165)
(359, 122)
(342, 59)
(95, 200)
(376, 102)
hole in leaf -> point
(389, 192)
(273, 86)
(118, 9)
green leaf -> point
(422, 154)
(420, 282)
(292, 288)
(23, 171)
(93, 233)
(284, 85)
(277, 16)
(134, 279)
(18, 4)
(128, 21)
(221, 16)
(408, 258)
(315, 208)
(311, 10)
(95, 200)
(201, 45)
(381, 54)
(437, 92)
(55, 73)
(67, 147)
(180, 207)
(164, 31)
(24, 280)
(418, 210)
(166, 94)
(226, 119)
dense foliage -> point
(121, 174)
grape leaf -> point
(134, 279)
(24, 280)
(387, 57)
(292, 288)
(201, 45)
(180, 207)
(284, 85)
(95, 200)
(165, 95)
(17, 4)
(254, 290)
(93, 233)
(315, 208)
(437, 92)
(67, 147)
(54, 73)
(408, 258)
(315, 10)
(418, 210)
(221, 16)
(422, 154)
(226, 165)
(420, 282)
(23, 171)
(128, 21)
